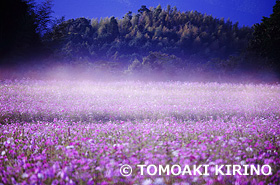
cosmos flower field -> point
(70, 132)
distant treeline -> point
(161, 39)
(184, 34)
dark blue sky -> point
(246, 12)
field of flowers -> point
(70, 132)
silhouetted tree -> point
(22, 23)
(143, 9)
(113, 28)
(43, 16)
(266, 41)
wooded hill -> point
(187, 35)
(149, 40)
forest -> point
(152, 40)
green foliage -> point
(164, 40)
(155, 63)
(184, 34)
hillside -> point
(150, 41)
(187, 35)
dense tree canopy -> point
(184, 34)
(22, 23)
(266, 41)
(152, 39)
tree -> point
(143, 9)
(266, 41)
(94, 24)
(43, 16)
(15, 25)
(185, 34)
(22, 23)
(113, 28)
(128, 15)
